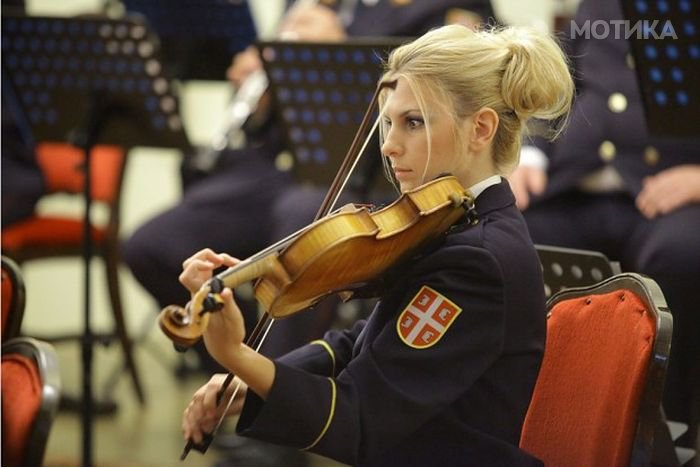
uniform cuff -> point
(298, 410)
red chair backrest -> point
(21, 401)
(61, 164)
(586, 401)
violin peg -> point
(213, 302)
(216, 285)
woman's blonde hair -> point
(518, 72)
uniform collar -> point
(494, 196)
(479, 187)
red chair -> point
(30, 396)
(48, 236)
(597, 401)
(13, 299)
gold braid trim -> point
(331, 414)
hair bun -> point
(536, 80)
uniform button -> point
(651, 156)
(284, 162)
(617, 102)
(607, 151)
(629, 60)
(400, 2)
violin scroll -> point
(185, 326)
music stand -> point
(198, 37)
(666, 51)
(90, 80)
(321, 91)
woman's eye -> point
(414, 122)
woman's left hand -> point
(226, 329)
(669, 190)
(198, 268)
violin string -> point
(355, 162)
(344, 172)
(262, 253)
(275, 246)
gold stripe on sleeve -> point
(328, 348)
(331, 414)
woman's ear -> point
(484, 124)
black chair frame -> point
(17, 300)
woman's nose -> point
(390, 146)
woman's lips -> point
(401, 173)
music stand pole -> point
(84, 138)
(87, 340)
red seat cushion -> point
(21, 400)
(47, 232)
(586, 400)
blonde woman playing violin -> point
(442, 371)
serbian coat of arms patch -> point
(426, 319)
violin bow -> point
(262, 328)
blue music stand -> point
(666, 51)
(321, 92)
(64, 70)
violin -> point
(337, 254)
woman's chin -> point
(405, 187)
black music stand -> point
(666, 51)
(90, 80)
(321, 92)
(198, 37)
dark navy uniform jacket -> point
(367, 396)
